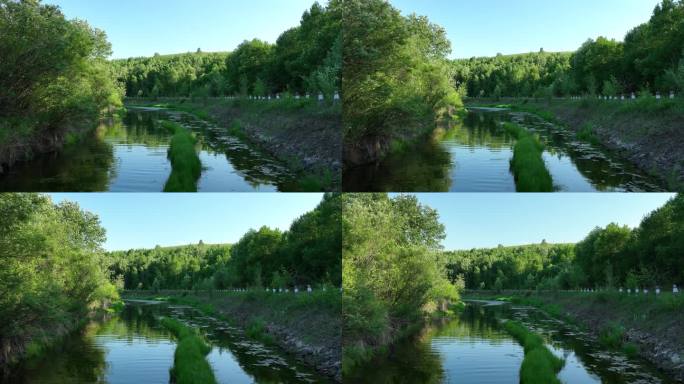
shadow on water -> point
(474, 156)
(132, 347)
(473, 348)
(469, 349)
(130, 155)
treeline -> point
(649, 60)
(53, 77)
(396, 78)
(523, 267)
(308, 253)
(611, 257)
(650, 254)
(521, 75)
(393, 271)
(53, 271)
(304, 59)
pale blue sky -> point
(485, 220)
(488, 27)
(148, 219)
(145, 27)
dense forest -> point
(523, 267)
(304, 59)
(54, 78)
(53, 271)
(611, 257)
(649, 60)
(396, 78)
(393, 271)
(308, 253)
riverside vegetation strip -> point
(185, 163)
(189, 363)
(539, 366)
(531, 174)
(646, 131)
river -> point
(474, 156)
(473, 348)
(132, 347)
(129, 154)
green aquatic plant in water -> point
(189, 363)
(185, 163)
(529, 169)
(539, 365)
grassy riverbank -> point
(637, 325)
(185, 163)
(189, 363)
(304, 134)
(305, 325)
(646, 131)
(539, 365)
(531, 174)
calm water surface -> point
(132, 347)
(130, 155)
(474, 348)
(474, 156)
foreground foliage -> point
(393, 271)
(395, 75)
(189, 363)
(53, 271)
(53, 76)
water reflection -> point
(132, 347)
(130, 155)
(474, 156)
(474, 348)
(469, 349)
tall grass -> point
(189, 363)
(539, 366)
(529, 169)
(185, 163)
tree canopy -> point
(307, 254)
(304, 59)
(53, 268)
(650, 58)
(393, 269)
(396, 76)
(53, 72)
